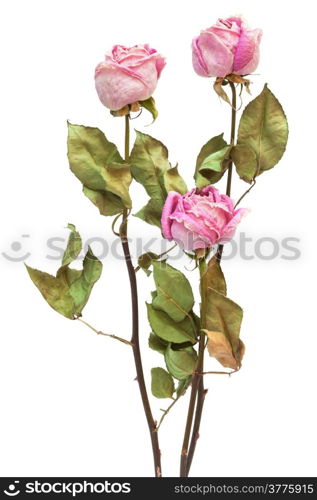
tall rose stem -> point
(232, 139)
(135, 324)
(197, 394)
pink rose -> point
(200, 218)
(229, 46)
(128, 75)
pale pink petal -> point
(228, 31)
(188, 240)
(118, 85)
(246, 56)
(170, 205)
(196, 225)
(230, 229)
(253, 63)
(217, 56)
(160, 65)
(198, 61)
(128, 75)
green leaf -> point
(245, 160)
(180, 364)
(150, 105)
(214, 166)
(68, 291)
(222, 322)
(162, 384)
(149, 160)
(157, 344)
(74, 246)
(212, 156)
(167, 329)
(54, 290)
(151, 212)
(145, 261)
(151, 168)
(118, 179)
(183, 386)
(174, 182)
(174, 293)
(81, 288)
(262, 136)
(97, 163)
(108, 203)
(89, 152)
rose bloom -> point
(229, 46)
(200, 218)
(128, 75)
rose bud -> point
(229, 46)
(200, 218)
(128, 75)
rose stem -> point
(197, 388)
(200, 390)
(232, 138)
(135, 322)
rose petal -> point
(217, 56)
(170, 205)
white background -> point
(70, 405)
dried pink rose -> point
(229, 46)
(200, 218)
(128, 75)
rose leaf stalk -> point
(135, 323)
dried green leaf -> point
(89, 152)
(151, 168)
(108, 203)
(54, 290)
(97, 163)
(145, 261)
(167, 329)
(174, 293)
(151, 212)
(183, 385)
(157, 344)
(162, 384)
(214, 166)
(81, 288)
(174, 182)
(180, 363)
(149, 160)
(150, 105)
(74, 246)
(262, 136)
(211, 150)
(245, 160)
(68, 291)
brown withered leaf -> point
(240, 79)
(220, 91)
(223, 318)
(214, 277)
(220, 348)
(134, 107)
(237, 79)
